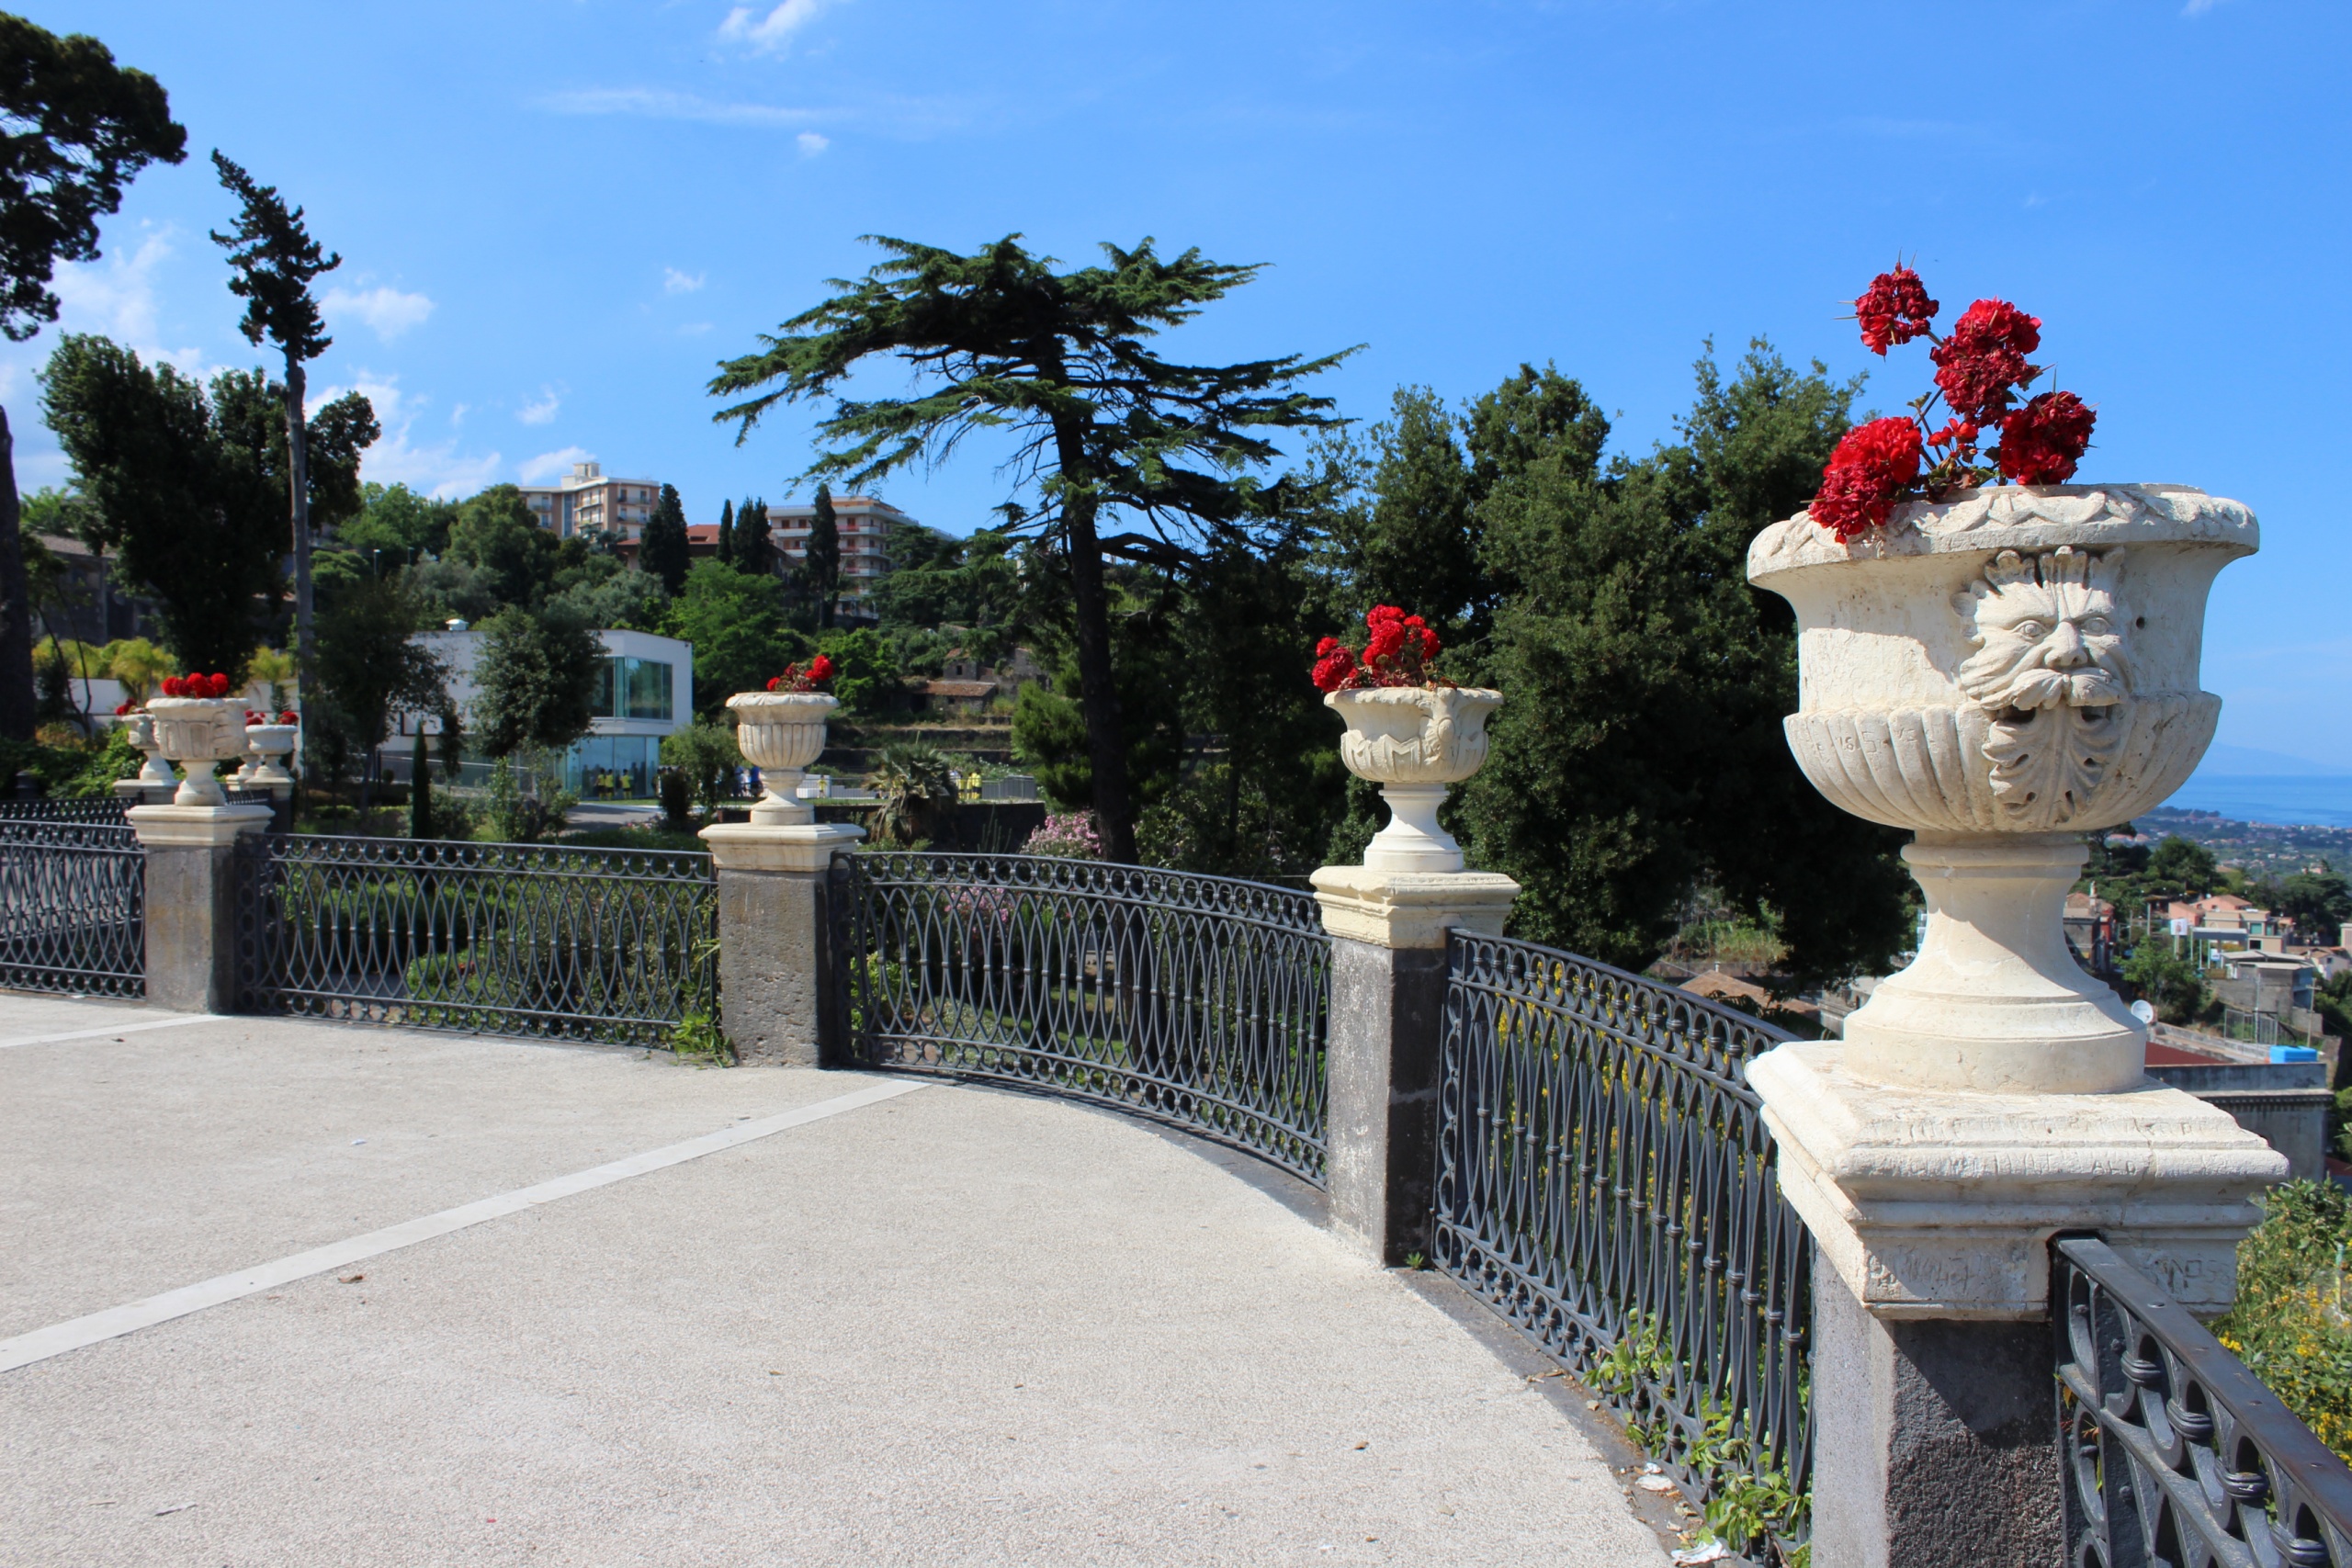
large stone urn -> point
(2003, 671)
(780, 733)
(1414, 742)
(196, 733)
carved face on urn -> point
(2049, 631)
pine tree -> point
(1104, 429)
(727, 533)
(824, 562)
(662, 549)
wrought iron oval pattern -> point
(73, 906)
(1605, 1177)
(607, 946)
(2174, 1452)
(1202, 1001)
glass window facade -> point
(633, 688)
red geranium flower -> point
(1894, 308)
(287, 717)
(821, 669)
(121, 709)
(1868, 473)
(2042, 442)
(174, 687)
(1981, 363)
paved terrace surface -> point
(954, 1326)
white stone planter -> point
(2001, 672)
(1414, 741)
(140, 728)
(197, 732)
(269, 745)
(780, 733)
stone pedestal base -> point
(190, 911)
(1994, 1001)
(776, 994)
(1387, 1034)
(1931, 1213)
(1941, 1204)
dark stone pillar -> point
(191, 908)
(1935, 1441)
(1388, 1023)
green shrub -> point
(2290, 1326)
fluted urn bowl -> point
(1413, 741)
(138, 728)
(2002, 671)
(780, 733)
(198, 732)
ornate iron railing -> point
(1605, 1182)
(72, 908)
(95, 809)
(613, 946)
(1198, 1001)
(2172, 1452)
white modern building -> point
(644, 691)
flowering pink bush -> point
(1073, 837)
(1981, 369)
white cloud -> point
(458, 413)
(116, 296)
(542, 412)
(771, 33)
(811, 144)
(2198, 7)
(387, 311)
(676, 282)
(433, 468)
(655, 103)
(547, 465)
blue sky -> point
(556, 215)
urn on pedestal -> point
(196, 733)
(269, 745)
(138, 728)
(1414, 741)
(780, 733)
(2002, 671)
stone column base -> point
(775, 965)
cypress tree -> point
(662, 548)
(420, 790)
(824, 566)
(727, 533)
(755, 550)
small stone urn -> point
(138, 728)
(1414, 741)
(198, 732)
(780, 733)
(269, 745)
(2002, 671)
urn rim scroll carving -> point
(1414, 735)
(2050, 703)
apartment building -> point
(586, 502)
(864, 526)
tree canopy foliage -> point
(186, 485)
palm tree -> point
(914, 783)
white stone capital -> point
(792, 846)
(1936, 1203)
(181, 827)
(1405, 909)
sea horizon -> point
(2281, 800)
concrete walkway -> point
(949, 1326)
